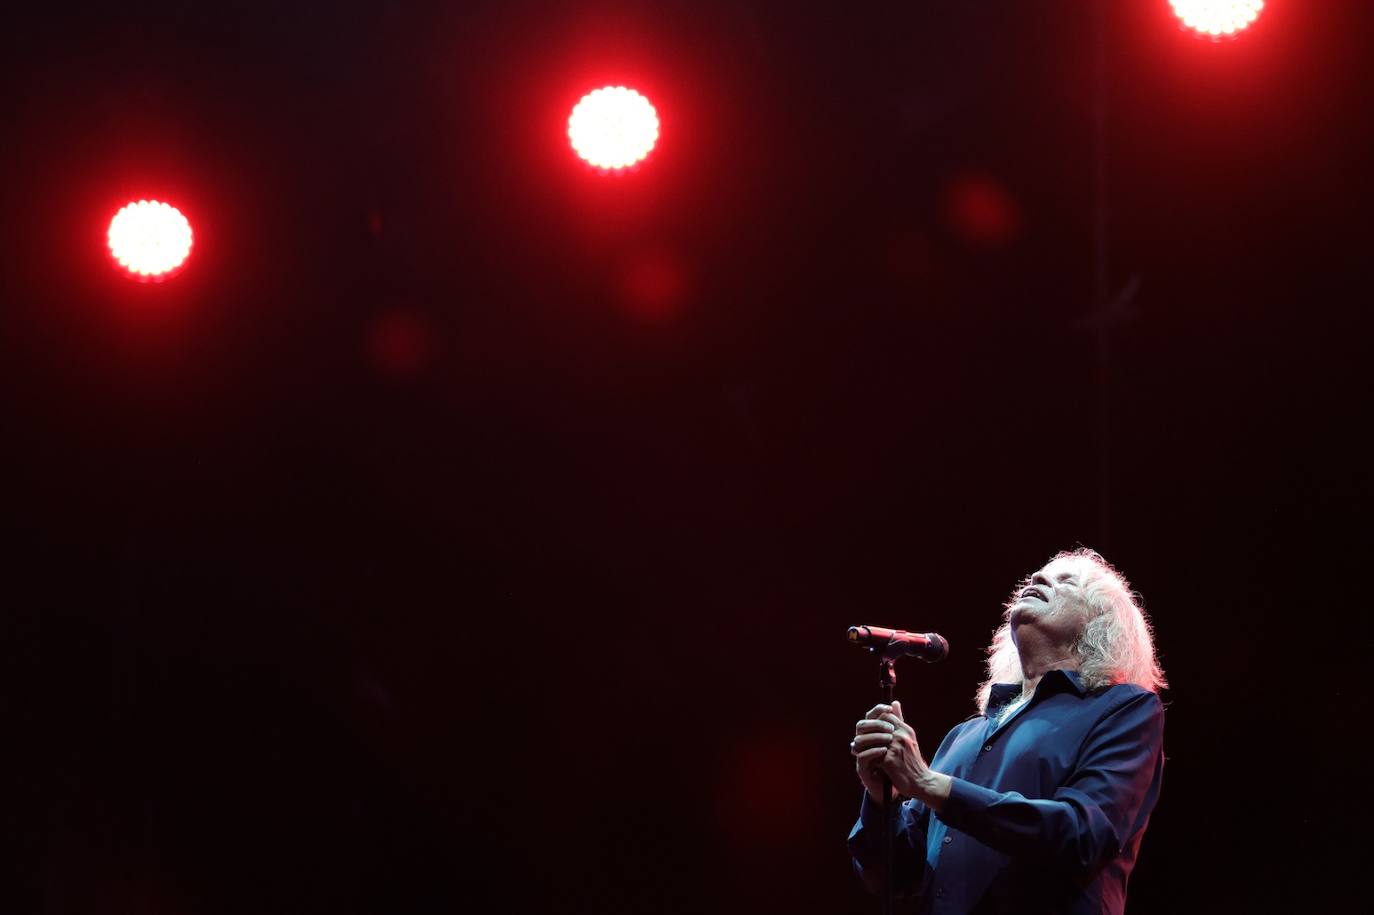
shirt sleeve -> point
(908, 847)
(1098, 810)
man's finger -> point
(897, 709)
(869, 741)
(877, 710)
(874, 725)
(870, 758)
(880, 739)
(895, 723)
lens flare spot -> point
(400, 343)
(980, 211)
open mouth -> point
(1035, 592)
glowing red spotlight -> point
(1217, 18)
(149, 240)
(613, 127)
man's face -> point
(1052, 601)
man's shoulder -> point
(1124, 693)
(1129, 700)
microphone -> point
(897, 643)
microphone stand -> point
(930, 647)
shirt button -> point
(949, 839)
(987, 747)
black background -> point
(390, 559)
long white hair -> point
(1116, 646)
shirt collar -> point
(1070, 677)
(1055, 680)
(1001, 694)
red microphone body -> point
(898, 643)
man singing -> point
(1037, 804)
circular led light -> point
(1217, 18)
(149, 240)
(613, 127)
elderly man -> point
(1039, 802)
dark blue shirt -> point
(1045, 813)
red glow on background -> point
(909, 258)
(980, 211)
(762, 798)
(149, 240)
(654, 285)
(613, 128)
(1217, 18)
(400, 343)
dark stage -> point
(465, 529)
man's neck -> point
(1035, 668)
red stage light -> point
(149, 240)
(613, 127)
(1217, 18)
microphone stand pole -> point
(887, 679)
